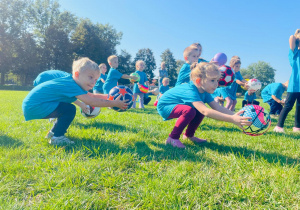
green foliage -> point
(179, 65)
(147, 56)
(124, 65)
(171, 65)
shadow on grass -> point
(144, 111)
(6, 141)
(206, 127)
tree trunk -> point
(2, 78)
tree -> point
(124, 65)
(261, 71)
(171, 65)
(147, 56)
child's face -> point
(199, 51)
(103, 69)
(236, 67)
(165, 82)
(114, 63)
(193, 57)
(87, 79)
(209, 85)
(140, 66)
(163, 65)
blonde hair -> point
(204, 71)
(188, 51)
(84, 64)
(234, 60)
(197, 44)
(297, 36)
(138, 62)
(166, 79)
(102, 64)
(111, 58)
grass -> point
(120, 161)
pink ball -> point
(221, 58)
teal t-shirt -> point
(230, 91)
(185, 94)
(184, 74)
(43, 99)
(294, 82)
(163, 89)
(99, 84)
(217, 93)
(200, 60)
(276, 89)
(112, 80)
(249, 98)
(49, 75)
(143, 79)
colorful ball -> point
(155, 91)
(135, 75)
(244, 88)
(126, 94)
(93, 112)
(227, 76)
(254, 85)
(144, 88)
(260, 119)
(221, 58)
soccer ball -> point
(126, 95)
(227, 76)
(93, 112)
(260, 118)
(135, 75)
(155, 91)
(254, 85)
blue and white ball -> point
(126, 94)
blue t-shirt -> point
(99, 84)
(143, 79)
(217, 93)
(249, 98)
(185, 94)
(163, 89)
(294, 82)
(49, 75)
(112, 80)
(230, 91)
(200, 60)
(276, 89)
(184, 74)
(43, 99)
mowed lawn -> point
(120, 161)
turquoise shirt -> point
(186, 94)
(184, 74)
(200, 60)
(230, 91)
(294, 82)
(249, 98)
(43, 99)
(275, 89)
(143, 79)
(49, 75)
(217, 93)
(99, 84)
(112, 80)
(163, 89)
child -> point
(52, 99)
(162, 89)
(229, 92)
(186, 102)
(199, 47)
(140, 66)
(271, 94)
(190, 55)
(98, 88)
(249, 98)
(162, 73)
(114, 75)
(217, 96)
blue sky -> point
(255, 30)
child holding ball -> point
(52, 99)
(187, 103)
(98, 88)
(249, 98)
(140, 66)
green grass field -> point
(120, 161)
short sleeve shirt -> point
(249, 98)
(275, 89)
(163, 89)
(99, 84)
(49, 75)
(143, 79)
(294, 82)
(112, 80)
(184, 74)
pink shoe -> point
(175, 143)
(296, 130)
(195, 139)
(278, 129)
(155, 103)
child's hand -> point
(122, 104)
(214, 62)
(85, 108)
(241, 121)
(134, 78)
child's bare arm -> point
(292, 42)
(126, 76)
(82, 105)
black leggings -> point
(289, 103)
(65, 114)
(244, 103)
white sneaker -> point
(52, 120)
(278, 129)
(49, 135)
(60, 140)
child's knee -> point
(190, 111)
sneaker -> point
(155, 103)
(296, 130)
(278, 129)
(52, 120)
(60, 140)
(175, 143)
(195, 139)
(49, 135)
(273, 116)
(147, 100)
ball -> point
(260, 119)
(126, 94)
(135, 75)
(144, 88)
(243, 86)
(227, 76)
(93, 112)
(221, 58)
(155, 91)
(254, 85)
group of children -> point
(196, 85)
